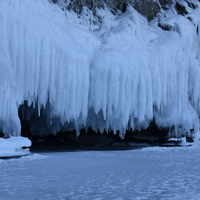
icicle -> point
(122, 76)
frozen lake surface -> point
(146, 173)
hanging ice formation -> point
(116, 75)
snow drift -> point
(117, 75)
(13, 147)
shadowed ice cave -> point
(51, 131)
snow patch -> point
(12, 147)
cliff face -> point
(148, 8)
(109, 71)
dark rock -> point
(165, 27)
(2, 134)
(147, 8)
(124, 7)
(153, 134)
(189, 139)
(89, 138)
(191, 5)
(180, 9)
(53, 1)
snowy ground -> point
(148, 173)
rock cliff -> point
(148, 8)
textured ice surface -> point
(149, 173)
(116, 76)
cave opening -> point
(35, 125)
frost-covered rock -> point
(147, 8)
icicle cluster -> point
(122, 76)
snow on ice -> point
(149, 173)
(116, 75)
(13, 146)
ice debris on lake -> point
(117, 75)
(13, 146)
